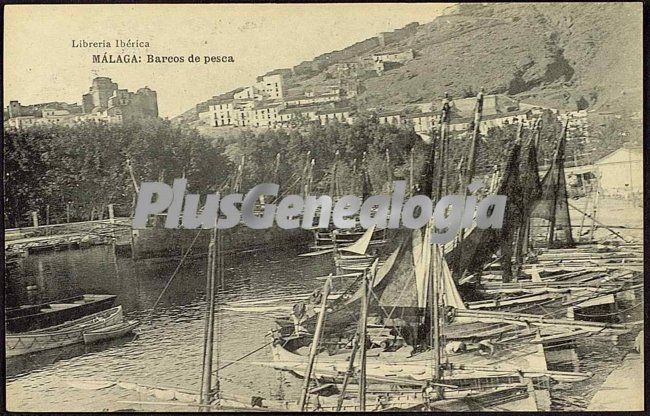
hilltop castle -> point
(104, 101)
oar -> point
(316, 253)
(357, 274)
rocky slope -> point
(567, 55)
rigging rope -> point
(175, 272)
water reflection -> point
(168, 349)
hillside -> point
(568, 56)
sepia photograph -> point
(331, 207)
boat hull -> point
(158, 242)
(62, 335)
(111, 332)
(32, 317)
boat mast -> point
(135, 182)
(314, 345)
(356, 343)
(240, 175)
(276, 168)
(536, 136)
(362, 343)
(471, 160)
(389, 172)
(208, 339)
(444, 127)
(334, 189)
(435, 270)
(476, 133)
(411, 167)
(559, 153)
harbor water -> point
(168, 348)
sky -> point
(40, 64)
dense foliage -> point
(86, 167)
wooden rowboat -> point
(31, 317)
(109, 332)
(61, 335)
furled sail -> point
(398, 288)
(553, 205)
(475, 250)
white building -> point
(394, 56)
(312, 99)
(272, 86)
(343, 115)
(248, 93)
(221, 113)
(424, 122)
(288, 115)
(621, 172)
(392, 117)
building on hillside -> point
(390, 117)
(22, 122)
(621, 172)
(424, 122)
(265, 115)
(460, 124)
(100, 91)
(15, 109)
(129, 105)
(385, 61)
(272, 86)
(289, 117)
(103, 102)
(343, 115)
(394, 56)
(220, 113)
(248, 93)
(492, 104)
(504, 119)
(345, 69)
(242, 113)
(303, 99)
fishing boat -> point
(156, 241)
(61, 335)
(398, 367)
(110, 332)
(31, 317)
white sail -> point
(450, 295)
(422, 262)
(361, 245)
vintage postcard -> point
(323, 207)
